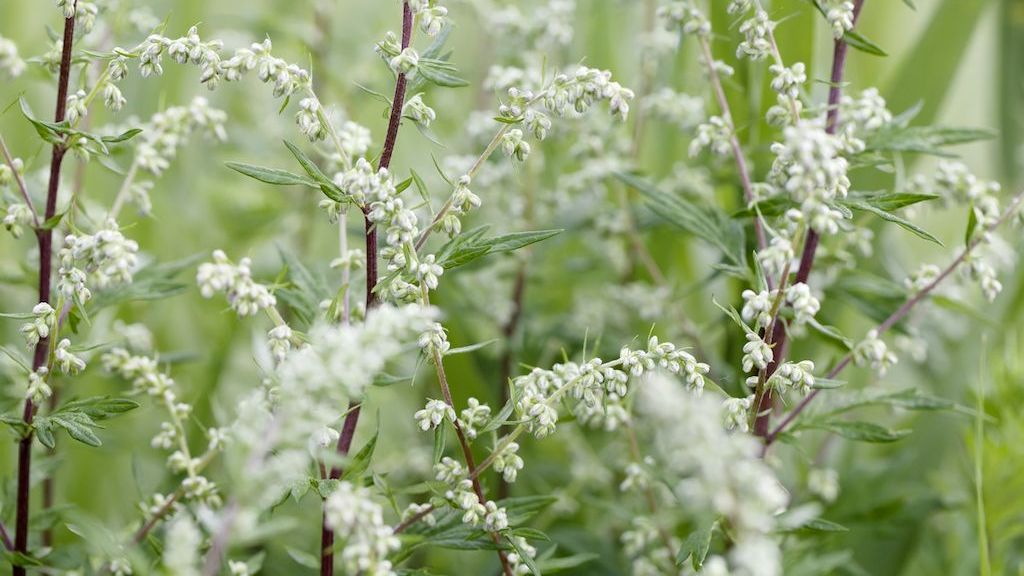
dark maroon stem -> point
(348, 428)
(45, 240)
(762, 422)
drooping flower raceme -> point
(245, 296)
(358, 523)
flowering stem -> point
(348, 428)
(45, 240)
(21, 182)
(835, 93)
(734, 142)
(896, 316)
(467, 452)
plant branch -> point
(45, 241)
(5, 537)
(734, 142)
(835, 93)
(348, 428)
(896, 316)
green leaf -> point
(271, 175)
(440, 73)
(327, 186)
(897, 200)
(99, 407)
(473, 247)
(890, 217)
(555, 565)
(696, 547)
(53, 221)
(499, 419)
(517, 240)
(821, 525)
(734, 315)
(924, 139)
(706, 222)
(858, 41)
(361, 461)
(123, 136)
(78, 425)
(861, 431)
(470, 348)
(440, 439)
(972, 224)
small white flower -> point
(406, 61)
(873, 352)
(756, 353)
(435, 412)
(38, 389)
(66, 360)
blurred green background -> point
(910, 506)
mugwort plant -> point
(565, 352)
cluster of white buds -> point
(648, 553)
(682, 110)
(736, 412)
(76, 108)
(474, 415)
(637, 476)
(787, 82)
(872, 351)
(146, 378)
(182, 544)
(38, 389)
(66, 360)
(598, 385)
(113, 99)
(18, 217)
(865, 113)
(793, 376)
(756, 30)
(308, 120)
(186, 49)
(358, 522)
(581, 89)
(686, 16)
(169, 130)
(508, 463)
(433, 414)
(280, 340)
(10, 63)
(803, 303)
(43, 322)
(107, 257)
(776, 255)
(983, 273)
(756, 353)
(824, 482)
(809, 166)
(922, 277)
(431, 16)
(954, 181)
(245, 296)
(434, 338)
(757, 307)
(418, 110)
(462, 202)
(840, 15)
(414, 509)
(514, 145)
(715, 134)
(67, 7)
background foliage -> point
(909, 507)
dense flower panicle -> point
(864, 114)
(803, 303)
(508, 463)
(872, 351)
(10, 64)
(38, 390)
(809, 164)
(682, 110)
(983, 273)
(774, 258)
(716, 472)
(280, 341)
(66, 360)
(715, 135)
(18, 217)
(347, 358)
(103, 259)
(359, 525)
(757, 307)
(686, 16)
(473, 416)
(735, 413)
(244, 295)
(922, 277)
(182, 543)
